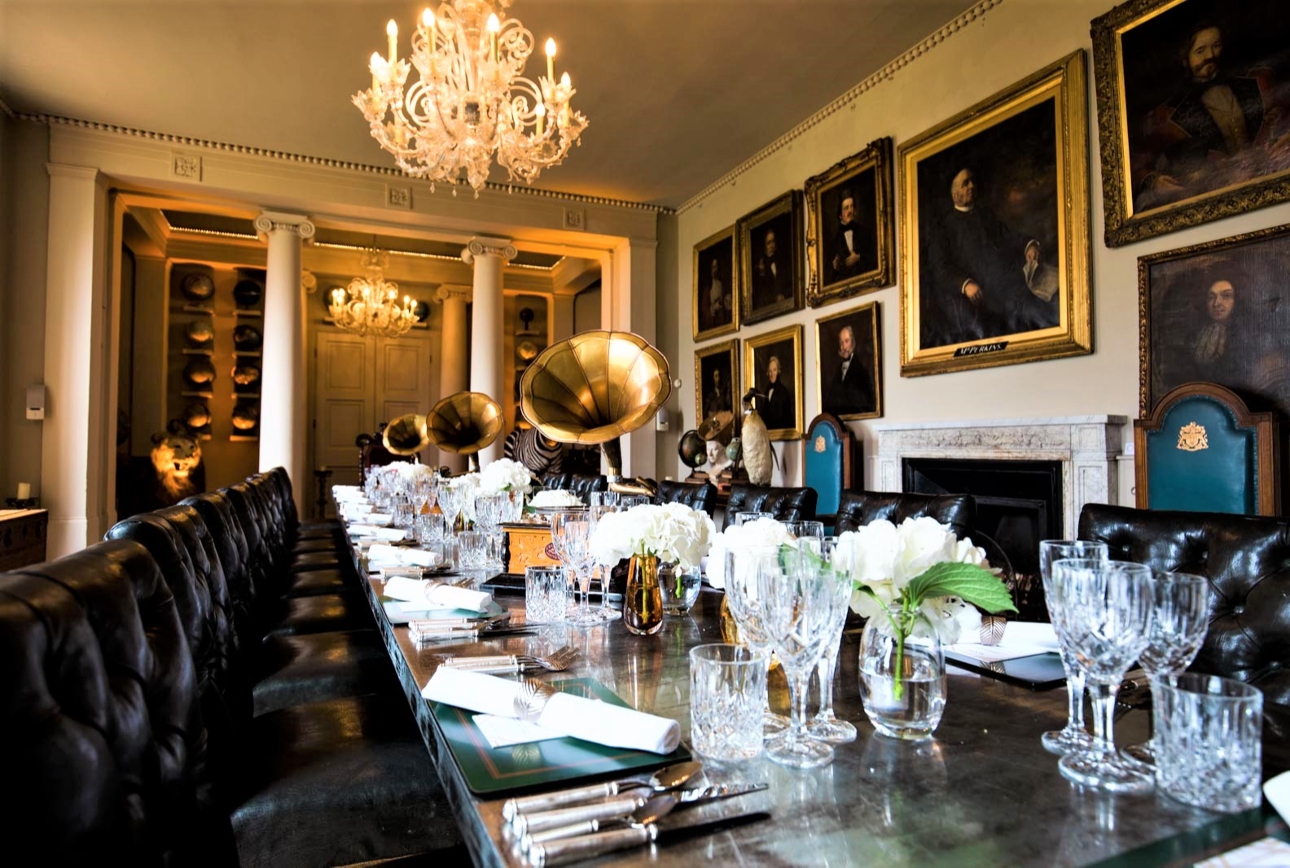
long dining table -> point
(982, 792)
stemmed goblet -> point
(451, 503)
(801, 596)
(1107, 613)
(489, 514)
(1179, 622)
(742, 569)
(571, 534)
(1073, 736)
(826, 726)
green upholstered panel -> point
(824, 467)
(1220, 478)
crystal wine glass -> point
(451, 502)
(571, 533)
(1178, 626)
(1073, 736)
(1107, 613)
(742, 568)
(489, 510)
(800, 601)
(826, 726)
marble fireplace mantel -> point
(1086, 446)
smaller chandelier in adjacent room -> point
(370, 305)
(470, 101)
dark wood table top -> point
(983, 792)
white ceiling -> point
(678, 92)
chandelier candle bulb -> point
(494, 25)
(540, 110)
(392, 31)
(550, 60)
(375, 66)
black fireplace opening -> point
(1018, 503)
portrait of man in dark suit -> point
(714, 299)
(849, 364)
(851, 243)
(772, 370)
(772, 271)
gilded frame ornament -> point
(828, 280)
(866, 324)
(757, 351)
(1064, 84)
(704, 398)
(711, 251)
(1125, 222)
(765, 292)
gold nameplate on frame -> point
(1191, 438)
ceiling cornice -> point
(190, 142)
(844, 101)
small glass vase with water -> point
(902, 677)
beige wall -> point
(1008, 43)
(24, 204)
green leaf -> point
(786, 551)
(976, 585)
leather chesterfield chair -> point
(787, 504)
(1247, 562)
(702, 496)
(858, 508)
(101, 720)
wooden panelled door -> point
(360, 382)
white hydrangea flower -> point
(674, 533)
(505, 475)
(760, 532)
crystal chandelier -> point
(370, 305)
(470, 101)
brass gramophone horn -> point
(406, 435)
(465, 422)
(594, 387)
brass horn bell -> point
(594, 387)
(465, 422)
(406, 435)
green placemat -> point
(495, 772)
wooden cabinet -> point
(22, 537)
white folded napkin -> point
(587, 719)
(376, 519)
(380, 554)
(1277, 791)
(1020, 639)
(385, 533)
(436, 593)
(347, 492)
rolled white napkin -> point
(402, 555)
(587, 719)
(437, 594)
(347, 492)
(376, 519)
(385, 533)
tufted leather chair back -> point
(858, 508)
(787, 504)
(230, 544)
(149, 715)
(583, 484)
(260, 564)
(702, 496)
(66, 801)
(204, 553)
(1247, 562)
(554, 481)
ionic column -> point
(454, 365)
(74, 454)
(488, 256)
(284, 392)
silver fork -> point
(557, 661)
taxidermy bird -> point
(758, 457)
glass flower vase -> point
(680, 587)
(643, 598)
(902, 674)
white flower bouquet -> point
(549, 498)
(920, 565)
(673, 533)
(505, 475)
(761, 532)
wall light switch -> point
(36, 402)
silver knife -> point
(661, 780)
(691, 798)
(568, 850)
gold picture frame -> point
(781, 409)
(714, 309)
(1165, 165)
(771, 281)
(1023, 296)
(711, 398)
(857, 393)
(851, 250)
